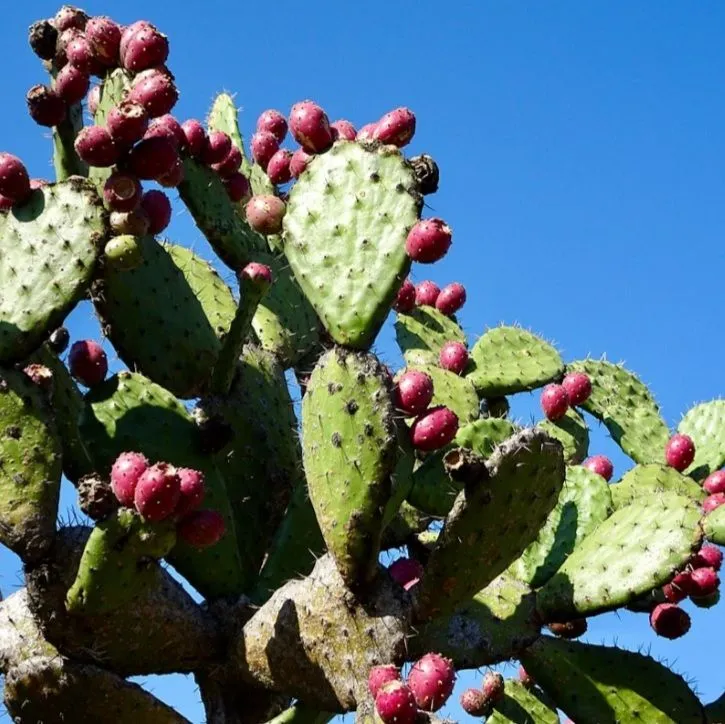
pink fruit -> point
(310, 127)
(79, 53)
(578, 386)
(45, 106)
(87, 362)
(96, 147)
(127, 122)
(144, 47)
(122, 192)
(405, 301)
(155, 91)
(712, 502)
(601, 465)
(230, 164)
(703, 582)
(265, 214)
(264, 145)
(554, 402)
(493, 686)
(94, 98)
(395, 704)
(683, 582)
(714, 482)
(157, 207)
(474, 702)
(451, 299)
(426, 294)
(195, 136)
(679, 452)
(65, 38)
(406, 572)
(172, 178)
(672, 593)
(453, 357)
(669, 621)
(125, 474)
(298, 162)
(413, 392)
(14, 181)
(428, 241)
(157, 492)
(167, 126)
(278, 168)
(128, 32)
(431, 680)
(396, 127)
(237, 186)
(367, 132)
(434, 429)
(202, 528)
(191, 485)
(378, 676)
(273, 122)
(525, 678)
(344, 130)
(217, 147)
(707, 557)
(258, 273)
(104, 35)
(153, 158)
(70, 17)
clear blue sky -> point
(582, 152)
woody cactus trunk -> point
(193, 459)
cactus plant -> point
(508, 531)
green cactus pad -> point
(705, 424)
(495, 625)
(643, 480)
(401, 478)
(714, 525)
(521, 706)
(50, 247)
(347, 220)
(572, 432)
(166, 317)
(349, 452)
(638, 548)
(31, 467)
(117, 562)
(506, 360)
(129, 412)
(453, 391)
(491, 525)
(65, 159)
(584, 503)
(605, 684)
(423, 332)
(715, 710)
(627, 408)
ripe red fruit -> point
(396, 127)
(434, 429)
(229, 164)
(378, 676)
(431, 680)
(195, 135)
(79, 53)
(395, 704)
(554, 402)
(70, 17)
(426, 293)
(96, 147)
(673, 593)
(191, 486)
(683, 582)
(413, 392)
(202, 528)
(153, 158)
(406, 572)
(310, 127)
(122, 192)
(265, 214)
(525, 678)
(128, 32)
(298, 162)
(125, 474)
(264, 145)
(578, 386)
(451, 299)
(143, 47)
(367, 132)
(273, 122)
(157, 207)
(71, 84)
(405, 300)
(707, 557)
(87, 362)
(127, 122)
(14, 180)
(712, 502)
(669, 621)
(344, 130)
(157, 492)
(703, 582)
(474, 702)
(428, 241)
(217, 147)
(237, 186)
(714, 482)
(680, 452)
(453, 357)
(172, 178)
(493, 686)
(278, 168)
(168, 127)
(601, 465)
(104, 35)
(45, 106)
(155, 91)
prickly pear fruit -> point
(431, 680)
(104, 35)
(155, 91)
(712, 502)
(202, 528)
(195, 135)
(578, 386)
(703, 582)
(125, 474)
(127, 122)
(265, 214)
(413, 392)
(167, 126)
(451, 299)
(122, 192)
(229, 164)
(143, 48)
(708, 556)
(45, 106)
(14, 180)
(474, 702)
(601, 465)
(217, 147)
(173, 177)
(298, 162)
(570, 629)
(157, 208)
(525, 678)
(94, 98)
(395, 704)
(396, 127)
(278, 168)
(310, 127)
(157, 493)
(71, 84)
(434, 429)
(58, 340)
(87, 362)
(273, 122)
(453, 357)
(70, 17)
(344, 130)
(135, 223)
(79, 53)
(714, 482)
(367, 132)
(264, 146)
(405, 301)
(679, 452)
(669, 621)
(406, 572)
(378, 676)
(123, 253)
(191, 485)
(153, 158)
(673, 593)
(428, 241)
(493, 686)
(96, 147)
(259, 274)
(237, 186)
(706, 601)
(554, 401)
(426, 293)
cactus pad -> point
(705, 424)
(647, 479)
(453, 391)
(521, 706)
(422, 333)
(572, 432)
(714, 525)
(347, 220)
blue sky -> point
(581, 149)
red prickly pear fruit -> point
(714, 482)
(406, 572)
(669, 621)
(554, 402)
(431, 680)
(265, 214)
(451, 299)
(706, 601)
(258, 273)
(6, 204)
(683, 582)
(237, 186)
(367, 132)
(405, 301)
(344, 130)
(45, 106)
(167, 126)
(127, 122)
(157, 208)
(474, 702)
(202, 528)
(570, 629)
(453, 357)
(79, 53)
(133, 223)
(64, 40)
(152, 158)
(278, 168)
(70, 17)
(172, 178)
(601, 465)
(157, 492)
(310, 127)
(264, 145)
(144, 47)
(673, 593)
(191, 485)
(428, 241)
(578, 386)
(128, 32)
(96, 147)
(155, 91)
(413, 392)
(125, 474)
(712, 502)
(87, 362)
(493, 686)
(707, 557)
(273, 122)
(378, 676)
(195, 136)
(426, 294)
(94, 98)
(122, 192)
(395, 704)
(703, 582)
(298, 162)
(14, 180)
(217, 147)
(396, 127)
(104, 35)
(434, 429)
(680, 452)
(525, 678)
(230, 164)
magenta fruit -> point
(475, 703)
(669, 621)
(378, 676)
(70, 17)
(237, 186)
(396, 127)
(428, 241)
(128, 32)
(683, 582)
(679, 452)
(601, 465)
(171, 179)
(434, 429)
(87, 362)
(703, 582)
(157, 493)
(265, 213)
(426, 294)
(672, 593)
(714, 482)
(195, 136)
(493, 686)
(431, 680)
(406, 572)
(367, 132)
(554, 402)
(14, 181)
(298, 162)
(578, 386)
(278, 168)
(94, 98)
(155, 91)
(273, 122)
(191, 486)
(125, 474)
(122, 192)
(264, 145)
(413, 392)
(167, 126)
(202, 528)
(127, 122)
(525, 678)
(79, 53)
(217, 147)
(104, 35)
(707, 557)
(451, 299)
(395, 704)
(96, 147)
(405, 300)
(230, 164)
(157, 208)
(712, 502)
(259, 274)
(310, 127)
(152, 158)
(143, 47)
(453, 357)
(46, 108)
(344, 130)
